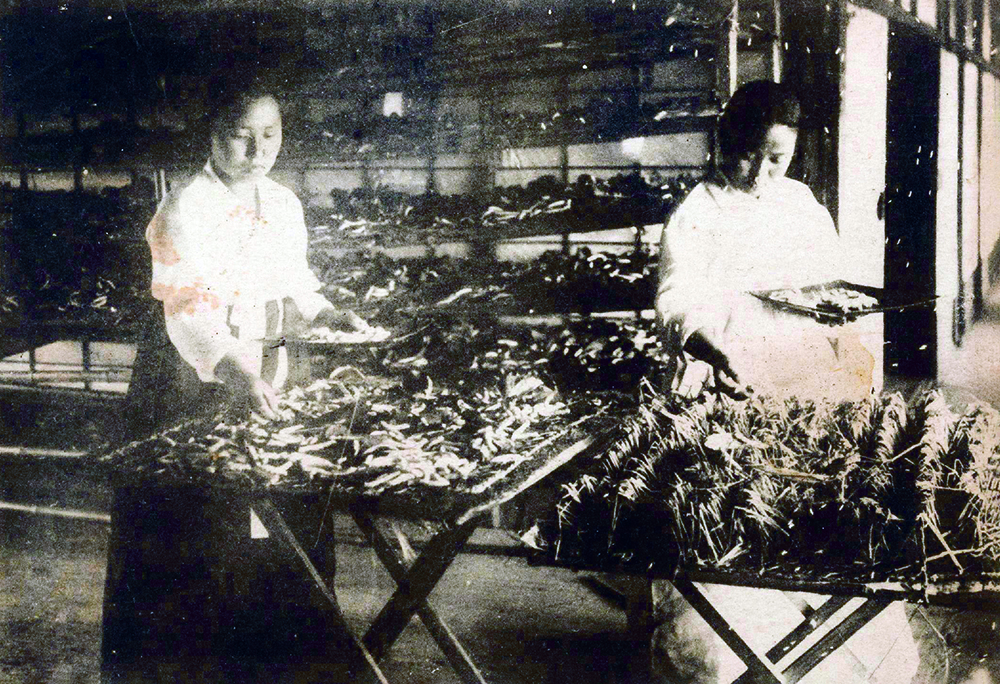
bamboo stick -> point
(36, 451)
(56, 512)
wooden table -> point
(455, 513)
(768, 667)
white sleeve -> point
(202, 338)
(304, 286)
(196, 316)
(687, 299)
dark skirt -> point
(186, 580)
(164, 389)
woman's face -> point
(246, 149)
(770, 161)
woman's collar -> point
(722, 180)
(214, 177)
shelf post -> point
(77, 150)
(432, 152)
(22, 165)
(732, 50)
(776, 52)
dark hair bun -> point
(750, 112)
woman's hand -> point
(337, 319)
(727, 379)
(248, 387)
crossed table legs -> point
(417, 580)
(414, 584)
(762, 667)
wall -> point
(968, 158)
(949, 356)
(862, 145)
(862, 163)
(989, 184)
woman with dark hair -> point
(747, 227)
(229, 265)
(194, 578)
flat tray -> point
(887, 301)
(320, 345)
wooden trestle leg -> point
(274, 522)
(411, 589)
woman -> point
(229, 265)
(193, 576)
(747, 228)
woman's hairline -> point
(222, 121)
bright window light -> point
(392, 104)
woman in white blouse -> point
(194, 579)
(747, 228)
(229, 265)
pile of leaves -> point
(790, 488)
(588, 281)
(546, 205)
(590, 355)
(581, 282)
(11, 306)
(368, 435)
(98, 300)
(351, 137)
(81, 257)
(602, 117)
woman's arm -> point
(691, 306)
(247, 386)
(196, 314)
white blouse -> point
(722, 243)
(227, 273)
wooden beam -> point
(833, 640)
(415, 587)
(275, 523)
(761, 670)
(440, 631)
(50, 511)
(813, 620)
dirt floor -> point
(522, 623)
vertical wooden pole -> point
(86, 363)
(732, 55)
(563, 105)
(776, 44)
(958, 316)
(432, 152)
(485, 162)
(77, 150)
(977, 276)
